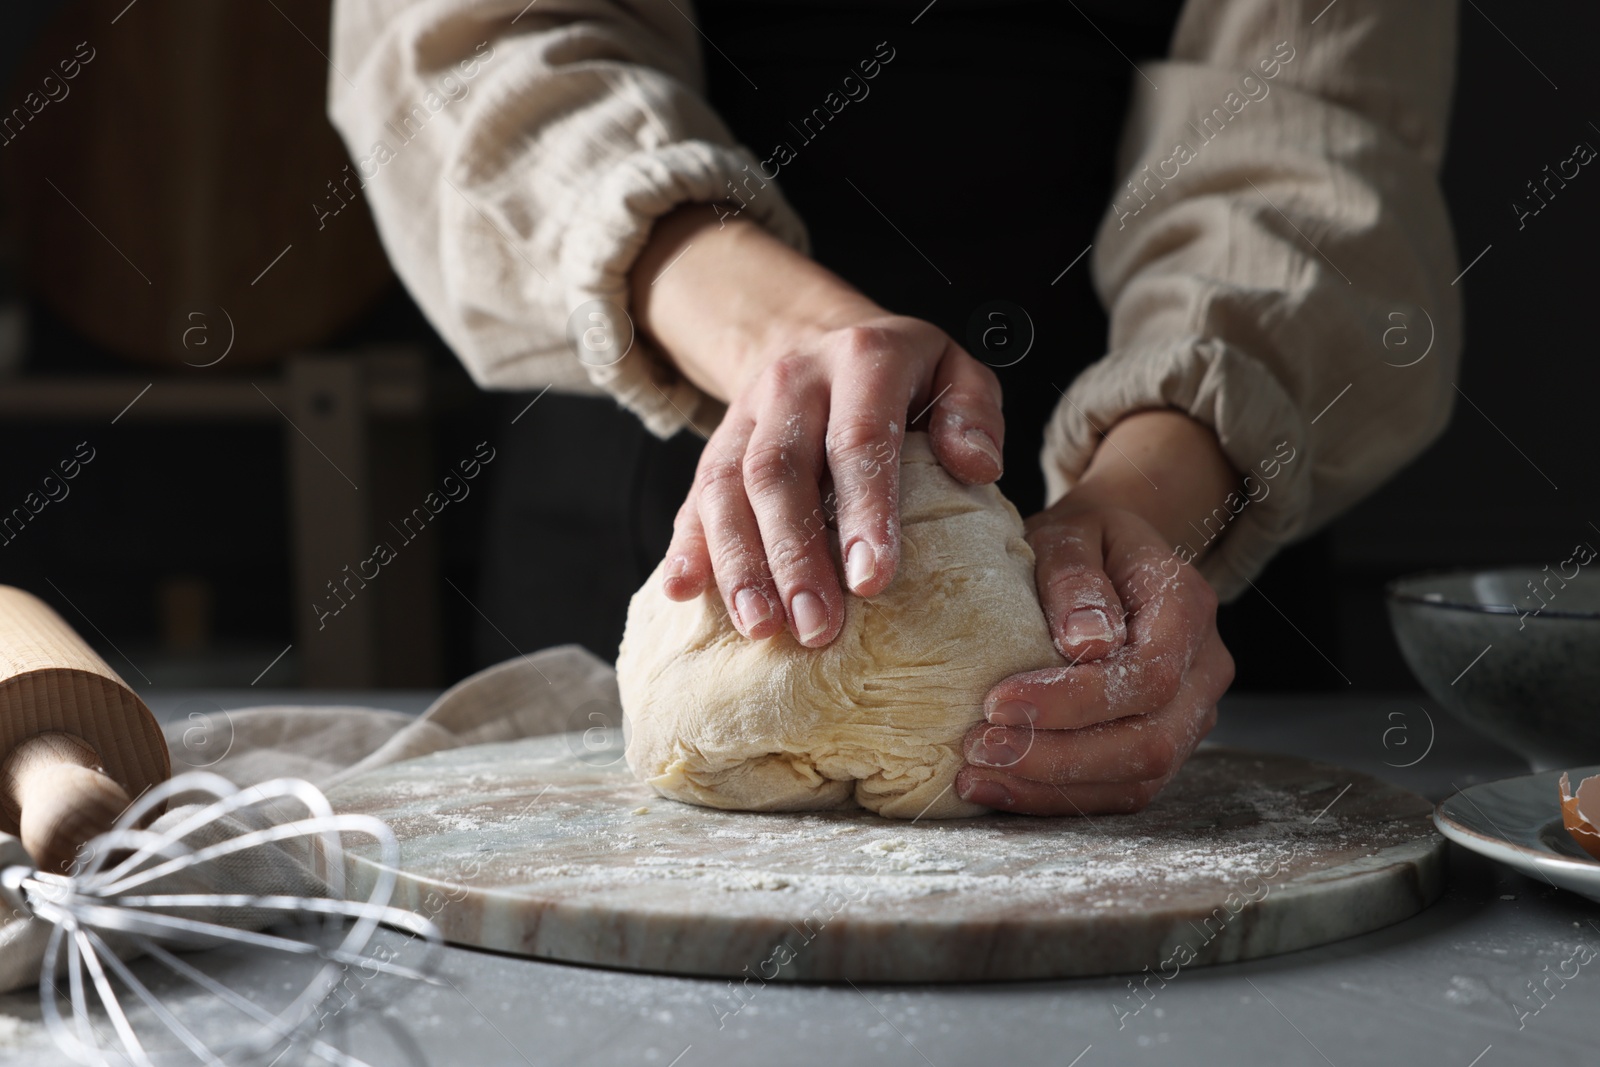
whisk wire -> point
(95, 900)
(108, 1000)
(244, 1005)
(243, 843)
(278, 788)
(153, 1002)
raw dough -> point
(875, 718)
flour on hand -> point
(874, 719)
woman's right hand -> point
(821, 384)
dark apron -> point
(957, 185)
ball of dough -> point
(875, 718)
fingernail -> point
(987, 753)
(1013, 713)
(1087, 624)
(981, 441)
(860, 565)
(753, 608)
(989, 794)
(676, 567)
(810, 615)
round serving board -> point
(549, 847)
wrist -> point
(721, 299)
(1165, 467)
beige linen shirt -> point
(1281, 243)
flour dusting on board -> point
(548, 847)
(14, 1031)
(1217, 823)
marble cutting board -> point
(548, 847)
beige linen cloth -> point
(515, 156)
(552, 691)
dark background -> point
(180, 514)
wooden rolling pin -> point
(76, 744)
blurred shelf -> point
(393, 385)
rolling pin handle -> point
(64, 798)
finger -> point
(1079, 600)
(733, 540)
(1144, 570)
(688, 567)
(1023, 797)
(866, 427)
(1139, 678)
(782, 465)
(965, 426)
(1135, 748)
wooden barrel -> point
(169, 165)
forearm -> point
(719, 299)
(1164, 467)
(1213, 312)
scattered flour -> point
(14, 1031)
(1228, 816)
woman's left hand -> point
(1139, 631)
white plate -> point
(1518, 821)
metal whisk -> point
(114, 904)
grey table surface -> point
(1451, 986)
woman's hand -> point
(1138, 627)
(821, 384)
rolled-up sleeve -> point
(515, 157)
(1278, 262)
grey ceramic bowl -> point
(1517, 661)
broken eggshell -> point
(1576, 809)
